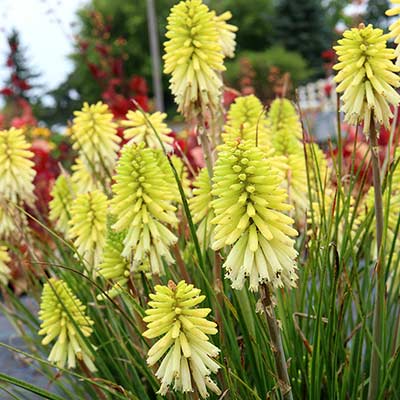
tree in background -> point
(375, 14)
(303, 27)
(256, 22)
(111, 58)
(18, 93)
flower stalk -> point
(276, 343)
(379, 303)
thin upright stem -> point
(379, 304)
(276, 343)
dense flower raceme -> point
(200, 207)
(286, 134)
(367, 76)
(142, 205)
(114, 267)
(140, 127)
(5, 272)
(249, 208)
(194, 57)
(12, 220)
(246, 119)
(226, 33)
(395, 27)
(84, 181)
(94, 136)
(188, 354)
(16, 173)
(65, 320)
(88, 227)
(63, 193)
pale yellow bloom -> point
(63, 314)
(88, 226)
(94, 136)
(84, 180)
(226, 34)
(142, 205)
(246, 120)
(13, 221)
(285, 132)
(194, 57)
(184, 346)
(16, 167)
(5, 273)
(140, 127)
(200, 207)
(114, 266)
(367, 76)
(395, 27)
(63, 193)
(249, 208)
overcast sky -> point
(45, 30)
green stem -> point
(276, 343)
(379, 303)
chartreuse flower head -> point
(226, 33)
(188, 354)
(395, 27)
(246, 120)
(63, 193)
(95, 138)
(200, 207)
(286, 132)
(367, 76)
(88, 226)
(142, 205)
(16, 167)
(5, 272)
(194, 57)
(140, 127)
(249, 208)
(65, 320)
(114, 267)
(83, 180)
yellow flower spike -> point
(194, 58)
(94, 136)
(88, 226)
(62, 313)
(12, 221)
(395, 27)
(5, 273)
(249, 208)
(16, 172)
(139, 128)
(63, 193)
(246, 120)
(114, 267)
(367, 76)
(200, 207)
(226, 33)
(185, 350)
(286, 134)
(83, 180)
(142, 205)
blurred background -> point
(55, 54)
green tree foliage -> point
(303, 27)
(375, 14)
(255, 19)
